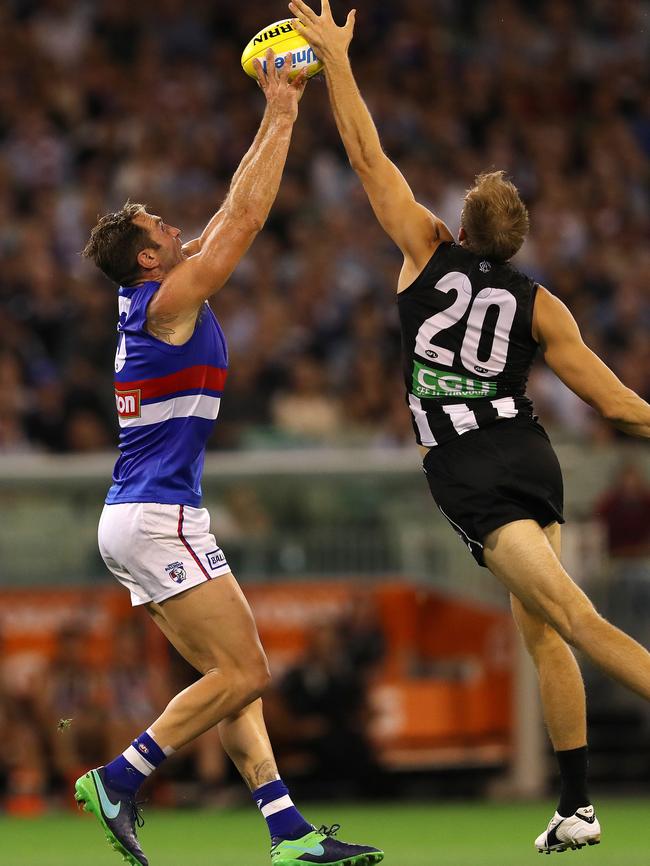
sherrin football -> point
(282, 38)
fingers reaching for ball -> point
(305, 13)
(321, 31)
(285, 69)
(273, 76)
(259, 72)
(300, 82)
(271, 65)
(266, 72)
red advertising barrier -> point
(444, 682)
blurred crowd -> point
(102, 100)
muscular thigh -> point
(525, 558)
(211, 625)
(532, 625)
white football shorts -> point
(157, 551)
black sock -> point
(573, 772)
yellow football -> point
(282, 38)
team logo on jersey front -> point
(128, 403)
(216, 558)
(429, 382)
(176, 570)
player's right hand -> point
(329, 41)
(281, 94)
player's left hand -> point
(282, 95)
(328, 40)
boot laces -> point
(136, 812)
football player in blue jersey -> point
(170, 370)
(490, 465)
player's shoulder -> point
(446, 255)
(454, 256)
(140, 293)
(507, 276)
(133, 302)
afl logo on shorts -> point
(128, 404)
(176, 571)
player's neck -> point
(155, 275)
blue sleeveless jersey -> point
(167, 403)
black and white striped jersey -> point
(467, 341)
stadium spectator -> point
(71, 704)
(24, 765)
(624, 510)
(136, 688)
(304, 411)
(547, 90)
(362, 635)
(325, 695)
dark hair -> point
(115, 243)
(494, 217)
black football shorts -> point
(494, 476)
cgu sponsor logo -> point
(128, 404)
(303, 57)
(273, 32)
(428, 382)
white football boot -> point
(580, 829)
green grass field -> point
(412, 835)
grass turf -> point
(411, 835)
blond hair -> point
(494, 217)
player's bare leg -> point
(211, 623)
(247, 743)
(550, 609)
(560, 680)
(243, 732)
(213, 628)
(521, 556)
(565, 712)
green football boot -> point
(116, 812)
(320, 846)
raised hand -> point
(328, 40)
(281, 94)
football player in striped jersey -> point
(471, 326)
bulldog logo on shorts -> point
(176, 570)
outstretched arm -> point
(230, 232)
(195, 246)
(415, 230)
(582, 371)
